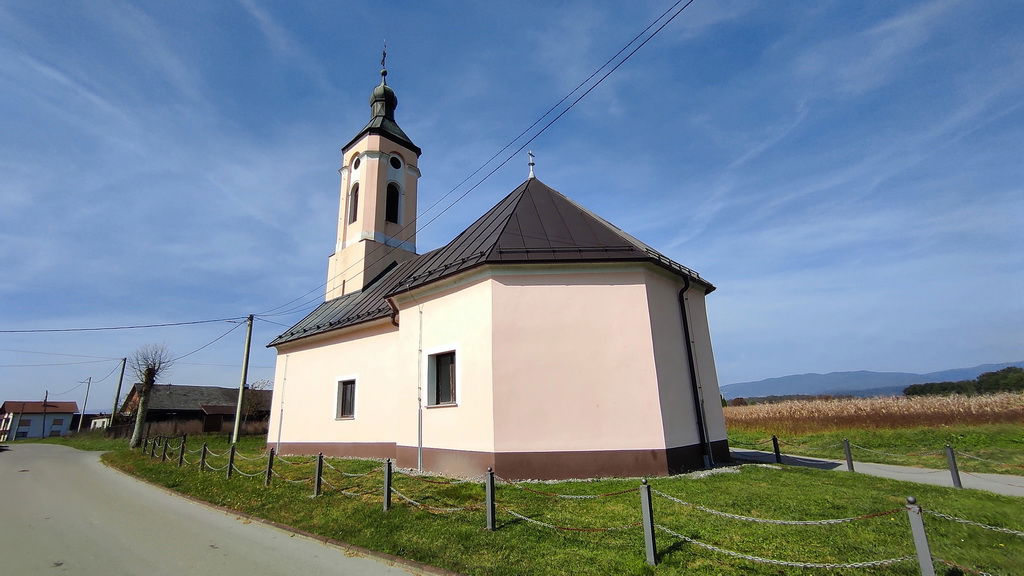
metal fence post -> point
(953, 470)
(181, 451)
(202, 458)
(849, 455)
(231, 460)
(647, 512)
(489, 493)
(145, 444)
(775, 446)
(317, 483)
(270, 468)
(924, 553)
(387, 485)
(152, 447)
(163, 451)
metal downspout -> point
(698, 400)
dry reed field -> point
(806, 416)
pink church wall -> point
(456, 317)
(306, 381)
(574, 365)
(548, 361)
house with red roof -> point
(32, 419)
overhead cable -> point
(415, 220)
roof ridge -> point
(522, 188)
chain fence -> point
(343, 491)
(973, 523)
(962, 568)
(825, 522)
(901, 459)
(791, 564)
(420, 498)
(343, 473)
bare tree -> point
(148, 362)
(251, 402)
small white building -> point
(100, 422)
(35, 419)
(542, 341)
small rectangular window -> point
(57, 422)
(346, 399)
(442, 379)
(24, 422)
(22, 435)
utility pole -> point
(46, 397)
(241, 385)
(117, 395)
(88, 384)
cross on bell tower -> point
(377, 209)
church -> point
(542, 341)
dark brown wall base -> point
(527, 465)
(339, 449)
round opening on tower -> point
(396, 163)
(356, 163)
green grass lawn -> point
(91, 440)
(458, 541)
(1000, 447)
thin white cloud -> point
(283, 43)
(864, 61)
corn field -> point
(804, 416)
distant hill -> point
(859, 383)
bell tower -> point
(377, 211)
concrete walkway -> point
(66, 512)
(998, 483)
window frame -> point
(353, 203)
(339, 398)
(433, 382)
(397, 204)
(24, 422)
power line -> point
(109, 373)
(272, 322)
(80, 384)
(132, 327)
(416, 219)
(232, 329)
(53, 364)
(56, 354)
(251, 366)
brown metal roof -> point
(16, 407)
(533, 224)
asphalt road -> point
(999, 483)
(63, 511)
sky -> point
(848, 174)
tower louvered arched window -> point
(391, 204)
(353, 210)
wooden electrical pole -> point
(117, 395)
(241, 385)
(46, 397)
(81, 416)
